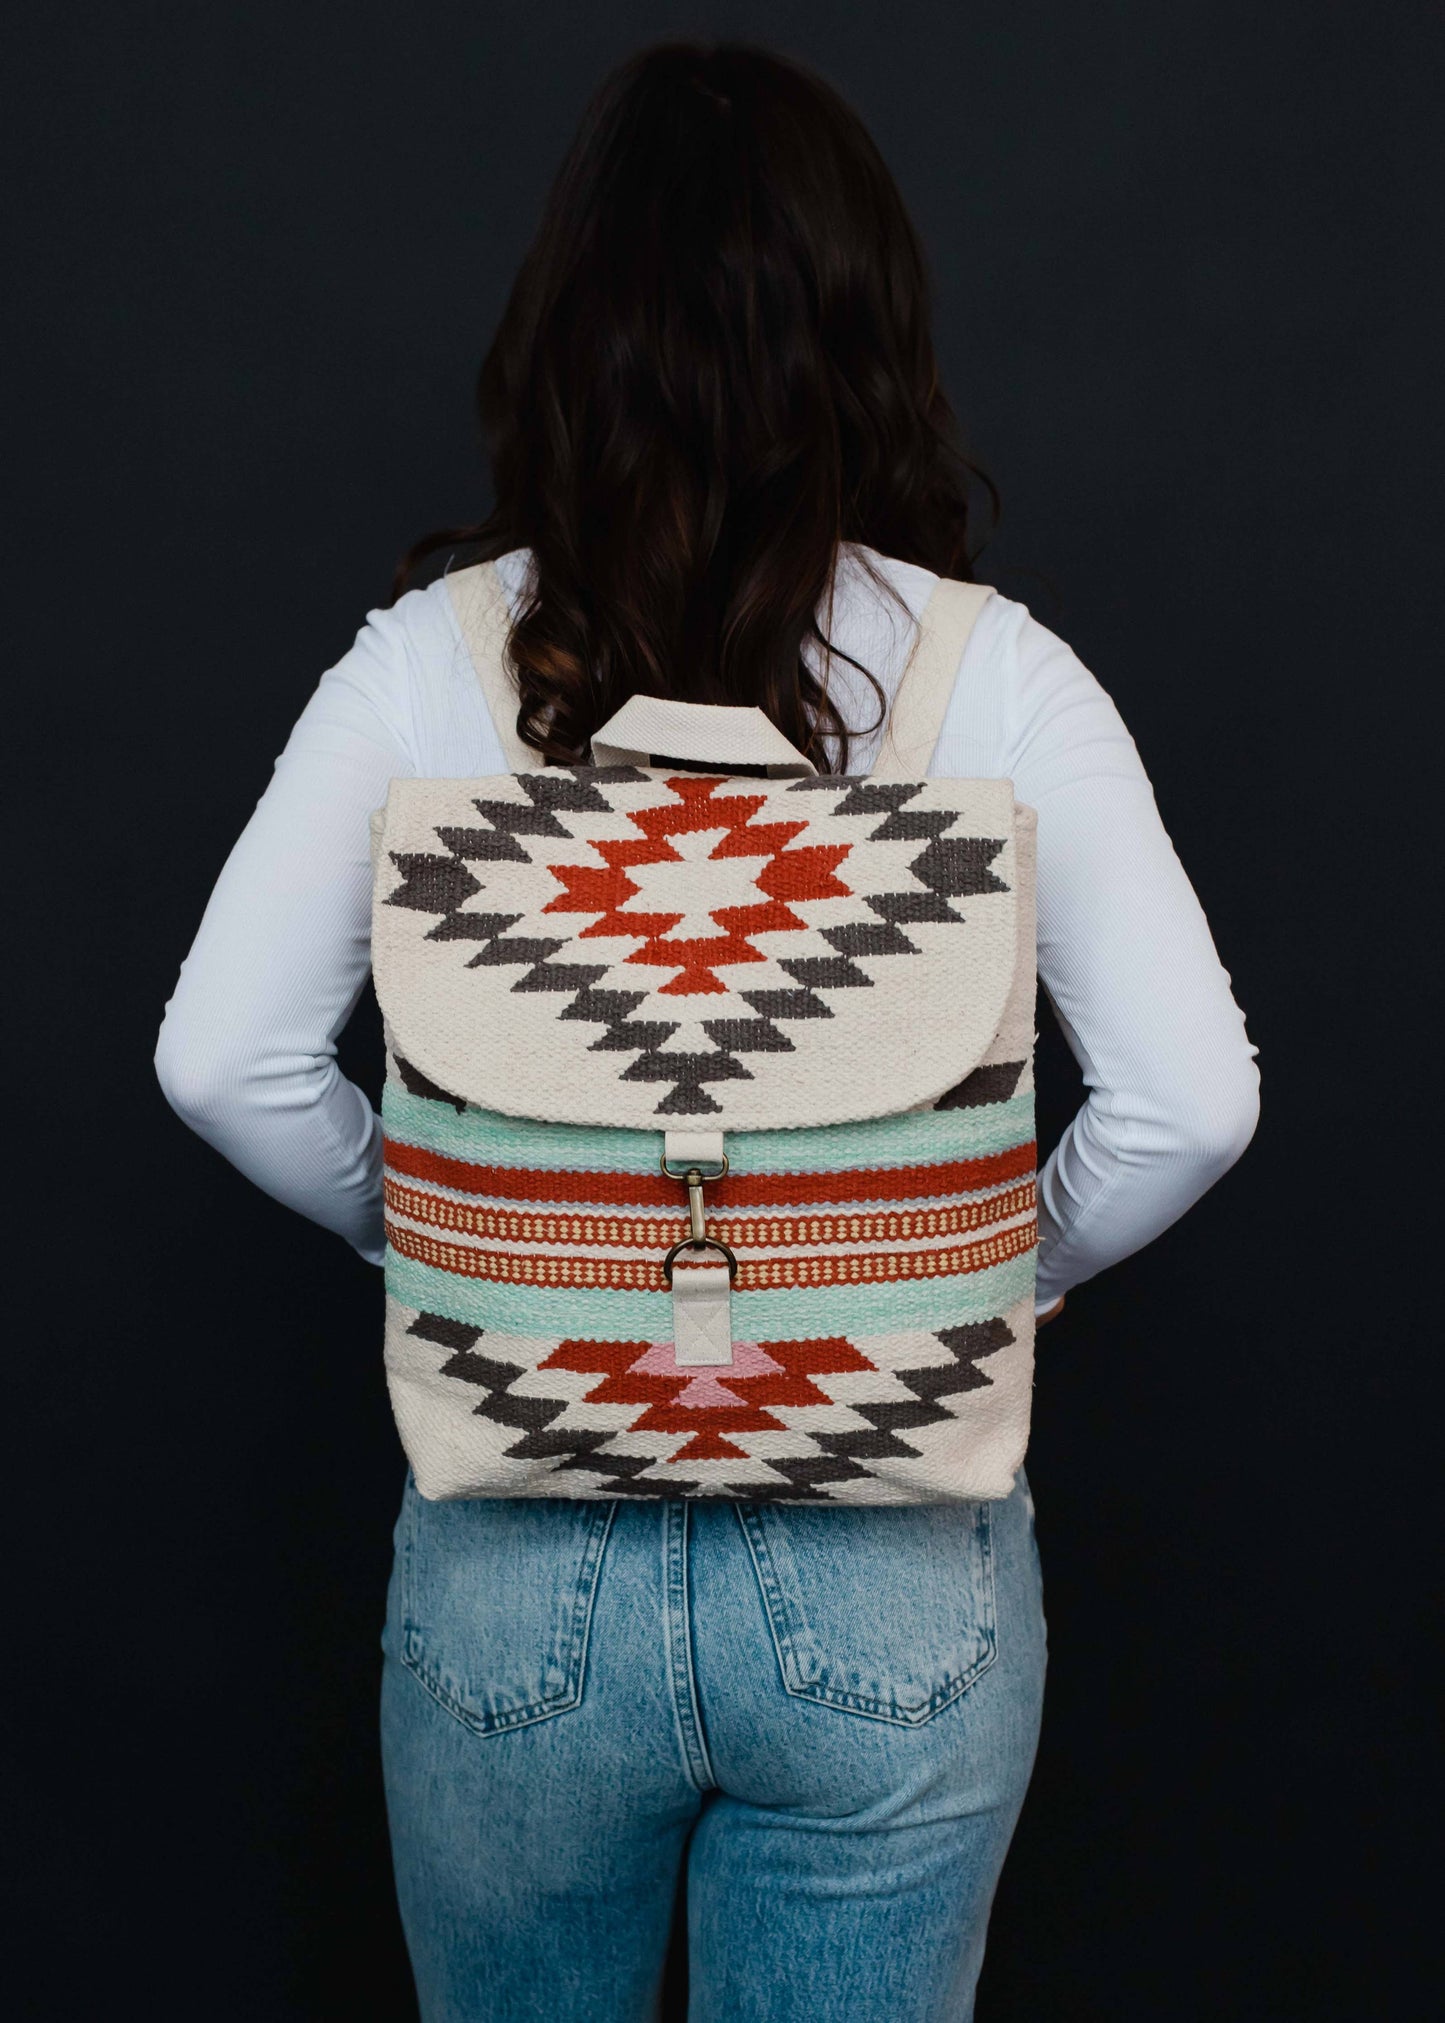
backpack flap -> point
(631, 946)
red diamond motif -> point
(786, 878)
(701, 1407)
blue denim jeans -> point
(827, 1718)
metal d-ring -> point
(699, 1243)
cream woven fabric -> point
(579, 966)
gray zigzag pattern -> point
(948, 868)
(842, 1457)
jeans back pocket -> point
(494, 1602)
(886, 1612)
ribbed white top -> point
(247, 1056)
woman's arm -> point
(1127, 959)
(247, 1049)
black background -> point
(1183, 258)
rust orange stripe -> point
(738, 1190)
(767, 1274)
(509, 1225)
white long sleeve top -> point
(247, 1048)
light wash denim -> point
(826, 1717)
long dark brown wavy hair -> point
(715, 365)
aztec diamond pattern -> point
(712, 1415)
(882, 1310)
(696, 922)
(836, 976)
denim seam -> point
(772, 1592)
(562, 1702)
(677, 1620)
(863, 1705)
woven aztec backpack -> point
(709, 1115)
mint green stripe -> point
(488, 1138)
(767, 1316)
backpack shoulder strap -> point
(479, 598)
(921, 702)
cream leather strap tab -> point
(707, 734)
(702, 1327)
(699, 1268)
(682, 1149)
(923, 696)
(479, 598)
(718, 734)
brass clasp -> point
(697, 1238)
